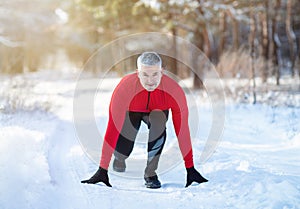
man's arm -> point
(180, 120)
(117, 110)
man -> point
(147, 96)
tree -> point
(24, 30)
(105, 21)
(291, 35)
(277, 58)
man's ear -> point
(138, 72)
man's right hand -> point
(99, 176)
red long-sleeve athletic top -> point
(129, 95)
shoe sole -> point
(120, 170)
(152, 186)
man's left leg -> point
(157, 137)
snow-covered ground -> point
(256, 165)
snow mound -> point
(24, 167)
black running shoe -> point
(119, 165)
(152, 182)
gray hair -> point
(149, 59)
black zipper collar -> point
(148, 101)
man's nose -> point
(150, 79)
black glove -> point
(99, 176)
(194, 175)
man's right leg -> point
(126, 140)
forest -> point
(60, 61)
(256, 39)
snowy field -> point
(256, 165)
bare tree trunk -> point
(205, 34)
(173, 61)
(264, 18)
(222, 31)
(299, 61)
(207, 45)
(271, 63)
(197, 82)
(235, 31)
(277, 59)
(204, 44)
(299, 52)
(206, 40)
(299, 58)
(252, 52)
(291, 35)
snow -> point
(256, 165)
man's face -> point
(150, 77)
